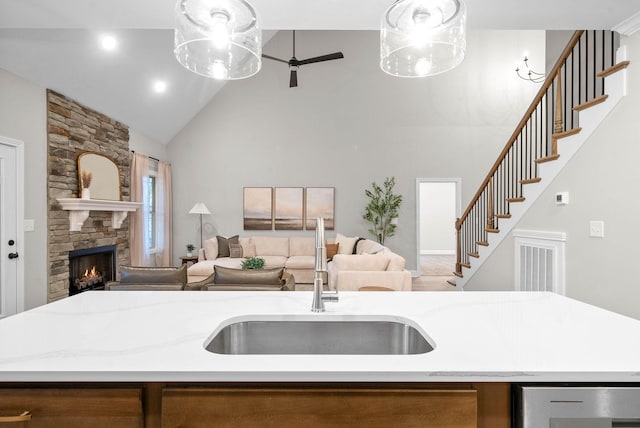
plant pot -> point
(189, 254)
(85, 193)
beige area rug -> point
(437, 265)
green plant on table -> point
(253, 263)
(190, 247)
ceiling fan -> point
(294, 63)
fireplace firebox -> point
(91, 268)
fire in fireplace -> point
(91, 268)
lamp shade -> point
(422, 37)
(199, 208)
(220, 39)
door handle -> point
(13, 255)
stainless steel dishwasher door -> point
(577, 407)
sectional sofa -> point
(359, 262)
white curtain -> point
(164, 216)
(138, 234)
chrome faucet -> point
(319, 297)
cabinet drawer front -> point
(75, 407)
(318, 407)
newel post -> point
(557, 123)
(458, 247)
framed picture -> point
(258, 208)
(319, 203)
(289, 205)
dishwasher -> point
(551, 406)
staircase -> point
(582, 88)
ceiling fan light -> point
(215, 35)
(422, 37)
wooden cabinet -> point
(316, 405)
(55, 407)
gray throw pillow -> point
(235, 251)
(223, 244)
(225, 275)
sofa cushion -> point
(360, 262)
(346, 244)
(367, 246)
(396, 262)
(211, 248)
(203, 268)
(235, 250)
(274, 261)
(151, 275)
(302, 246)
(223, 244)
(248, 247)
(249, 276)
(332, 250)
(300, 262)
(271, 246)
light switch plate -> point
(596, 229)
(29, 225)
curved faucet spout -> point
(319, 297)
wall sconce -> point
(530, 74)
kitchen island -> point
(155, 341)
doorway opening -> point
(438, 203)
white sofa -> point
(295, 254)
(371, 265)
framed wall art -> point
(319, 202)
(258, 208)
(289, 206)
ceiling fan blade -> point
(274, 58)
(328, 57)
(293, 79)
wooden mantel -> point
(79, 210)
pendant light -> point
(422, 37)
(220, 39)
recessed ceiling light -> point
(160, 86)
(108, 42)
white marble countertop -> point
(159, 336)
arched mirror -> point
(101, 174)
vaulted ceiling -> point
(55, 44)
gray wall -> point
(602, 181)
(346, 125)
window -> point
(149, 197)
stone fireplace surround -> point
(73, 129)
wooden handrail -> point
(23, 417)
(534, 104)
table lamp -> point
(200, 208)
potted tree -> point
(190, 248)
(382, 209)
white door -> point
(11, 227)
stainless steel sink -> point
(319, 335)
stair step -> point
(452, 281)
(503, 215)
(547, 158)
(459, 275)
(567, 133)
(609, 71)
(593, 102)
(476, 255)
(518, 199)
(492, 230)
(531, 180)
(483, 243)
(466, 265)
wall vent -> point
(539, 261)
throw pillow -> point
(355, 246)
(211, 249)
(249, 249)
(346, 244)
(223, 244)
(235, 251)
(225, 275)
(332, 250)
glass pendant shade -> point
(422, 37)
(218, 38)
